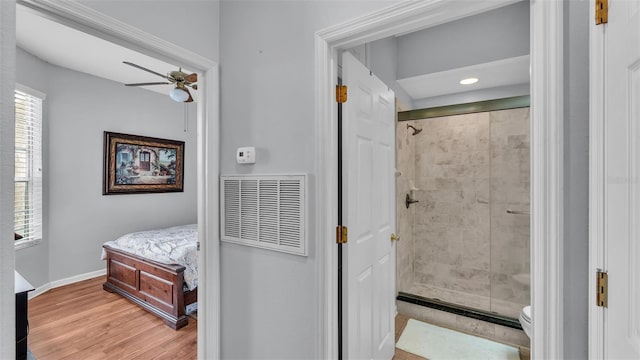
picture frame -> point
(140, 164)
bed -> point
(157, 270)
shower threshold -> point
(460, 310)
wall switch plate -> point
(246, 155)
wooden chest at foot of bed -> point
(156, 287)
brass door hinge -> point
(341, 234)
(602, 286)
(602, 12)
(341, 94)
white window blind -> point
(28, 166)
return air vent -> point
(265, 211)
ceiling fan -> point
(182, 81)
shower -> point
(466, 242)
(415, 131)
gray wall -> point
(381, 58)
(459, 43)
(269, 300)
(494, 35)
(77, 217)
(80, 108)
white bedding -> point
(174, 245)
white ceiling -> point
(505, 72)
(73, 49)
(66, 47)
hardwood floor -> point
(82, 321)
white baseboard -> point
(40, 290)
(62, 282)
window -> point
(28, 167)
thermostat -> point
(246, 155)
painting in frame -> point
(141, 164)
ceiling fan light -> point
(178, 94)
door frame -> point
(90, 21)
(7, 148)
(546, 49)
(597, 180)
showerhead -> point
(415, 131)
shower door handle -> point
(395, 237)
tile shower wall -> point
(465, 247)
(405, 173)
(510, 190)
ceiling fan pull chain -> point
(186, 117)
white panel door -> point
(622, 189)
(368, 119)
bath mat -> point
(435, 343)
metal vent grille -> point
(266, 211)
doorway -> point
(463, 258)
(546, 95)
(92, 22)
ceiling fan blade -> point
(145, 69)
(190, 99)
(149, 83)
(192, 78)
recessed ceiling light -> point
(468, 81)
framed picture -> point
(140, 164)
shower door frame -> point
(546, 51)
(448, 304)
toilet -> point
(525, 319)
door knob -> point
(395, 237)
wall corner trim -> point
(7, 147)
(547, 177)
